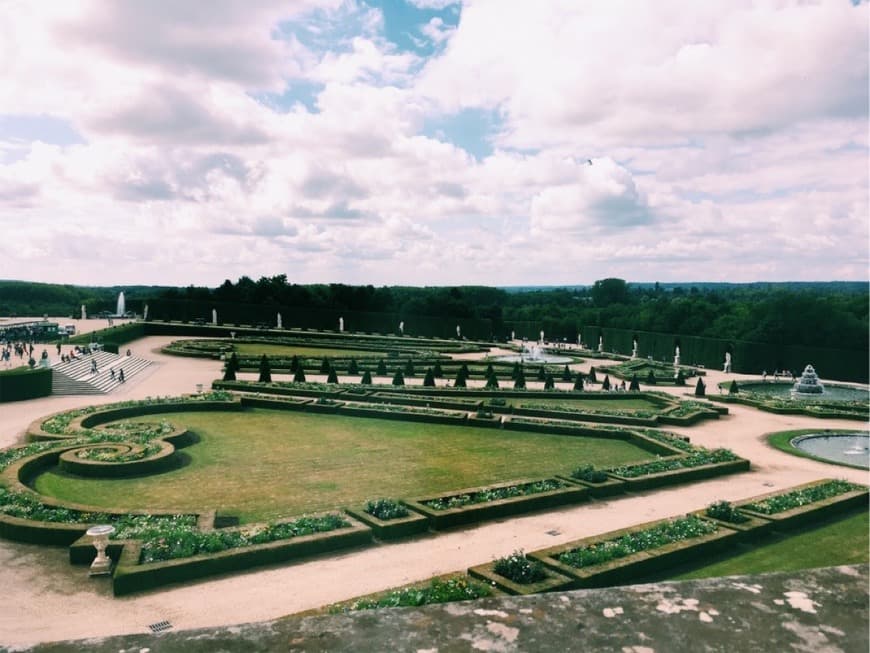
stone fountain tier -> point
(809, 383)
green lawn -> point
(843, 542)
(258, 349)
(261, 464)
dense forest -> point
(833, 315)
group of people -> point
(20, 349)
(776, 374)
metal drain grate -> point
(160, 626)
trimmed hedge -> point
(24, 383)
(555, 581)
(131, 576)
(685, 475)
(450, 517)
(628, 568)
(391, 529)
(809, 512)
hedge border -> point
(684, 475)
(801, 515)
(451, 517)
(23, 383)
(391, 529)
(611, 487)
(132, 576)
(555, 581)
(628, 568)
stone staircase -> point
(76, 377)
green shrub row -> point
(171, 543)
(677, 530)
(495, 494)
(695, 459)
(801, 497)
(438, 590)
(23, 383)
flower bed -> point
(519, 574)
(501, 500)
(624, 555)
(215, 552)
(700, 464)
(808, 502)
(390, 520)
(438, 590)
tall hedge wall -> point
(116, 335)
(313, 318)
(746, 357)
(24, 383)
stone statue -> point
(677, 356)
(633, 349)
(600, 343)
(542, 336)
(402, 328)
(145, 314)
(341, 324)
(280, 322)
(214, 316)
(727, 366)
(84, 313)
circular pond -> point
(842, 448)
(831, 393)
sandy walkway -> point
(46, 599)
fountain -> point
(121, 306)
(846, 448)
(533, 353)
(808, 384)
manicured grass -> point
(628, 403)
(258, 349)
(262, 464)
(842, 542)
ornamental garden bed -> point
(475, 504)
(622, 556)
(749, 527)
(132, 574)
(607, 488)
(650, 479)
(806, 503)
(391, 528)
(554, 581)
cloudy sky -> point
(433, 142)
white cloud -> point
(729, 140)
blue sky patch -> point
(297, 91)
(403, 22)
(27, 128)
(470, 129)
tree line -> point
(833, 315)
